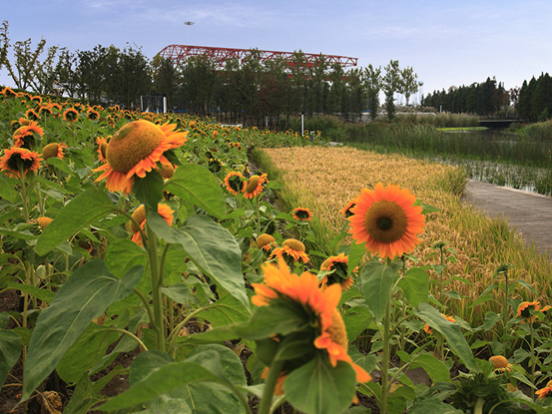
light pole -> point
(189, 24)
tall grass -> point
(438, 120)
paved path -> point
(530, 213)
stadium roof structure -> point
(179, 53)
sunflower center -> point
(50, 151)
(133, 143)
(386, 221)
(302, 214)
(252, 184)
(337, 331)
(294, 244)
(139, 215)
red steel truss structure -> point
(179, 53)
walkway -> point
(530, 213)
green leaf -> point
(196, 183)
(160, 381)
(122, 254)
(434, 406)
(44, 295)
(178, 292)
(491, 319)
(451, 332)
(81, 211)
(83, 297)
(435, 368)
(376, 281)
(220, 361)
(10, 349)
(415, 285)
(212, 249)
(319, 388)
(149, 190)
(356, 320)
(145, 363)
(366, 362)
(60, 164)
(356, 253)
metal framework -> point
(179, 53)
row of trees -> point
(535, 99)
(484, 99)
(249, 90)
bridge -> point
(497, 123)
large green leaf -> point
(356, 252)
(451, 332)
(435, 368)
(376, 281)
(319, 388)
(122, 254)
(212, 249)
(415, 285)
(149, 190)
(10, 349)
(83, 297)
(81, 211)
(196, 183)
(434, 406)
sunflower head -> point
(339, 264)
(292, 251)
(302, 214)
(234, 182)
(215, 165)
(53, 150)
(346, 211)
(527, 311)
(32, 115)
(17, 159)
(27, 135)
(71, 115)
(254, 186)
(15, 125)
(166, 170)
(294, 244)
(543, 392)
(264, 240)
(139, 215)
(387, 220)
(8, 93)
(93, 115)
(43, 222)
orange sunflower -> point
(291, 250)
(102, 148)
(71, 115)
(387, 220)
(140, 216)
(32, 115)
(53, 150)
(93, 115)
(234, 182)
(24, 136)
(526, 310)
(500, 363)
(16, 159)
(543, 392)
(254, 186)
(340, 276)
(8, 92)
(135, 150)
(266, 242)
(330, 335)
(302, 214)
(448, 318)
(346, 211)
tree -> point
(391, 84)
(165, 78)
(373, 83)
(66, 73)
(4, 43)
(408, 83)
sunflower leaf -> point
(376, 282)
(149, 190)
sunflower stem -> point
(270, 384)
(24, 193)
(385, 362)
(258, 199)
(533, 358)
(156, 282)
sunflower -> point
(166, 170)
(302, 214)
(543, 392)
(43, 222)
(25, 136)
(93, 115)
(254, 186)
(36, 99)
(387, 220)
(526, 310)
(135, 150)
(346, 211)
(102, 148)
(71, 115)
(291, 250)
(15, 159)
(266, 242)
(340, 275)
(215, 165)
(32, 115)
(45, 110)
(546, 310)
(53, 150)
(8, 93)
(500, 363)
(329, 330)
(234, 182)
(448, 318)
(140, 216)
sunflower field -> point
(148, 266)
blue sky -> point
(446, 42)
